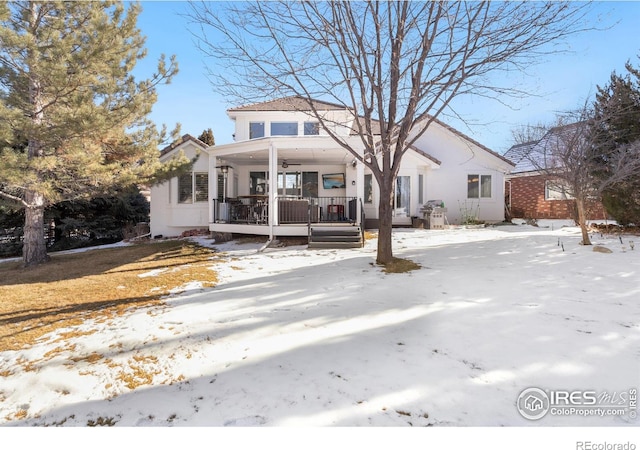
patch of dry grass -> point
(399, 265)
(141, 371)
(368, 235)
(97, 284)
(102, 422)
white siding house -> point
(283, 174)
(470, 178)
(180, 204)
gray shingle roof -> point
(520, 154)
(292, 103)
(183, 139)
(538, 155)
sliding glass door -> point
(402, 197)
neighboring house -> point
(283, 172)
(531, 193)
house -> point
(182, 203)
(284, 175)
(531, 193)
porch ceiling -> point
(293, 155)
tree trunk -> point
(34, 250)
(385, 217)
(582, 221)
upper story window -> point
(284, 128)
(311, 128)
(478, 186)
(256, 130)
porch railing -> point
(291, 210)
(317, 210)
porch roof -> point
(298, 150)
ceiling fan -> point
(285, 164)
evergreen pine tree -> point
(618, 117)
(207, 137)
(66, 88)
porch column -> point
(359, 191)
(213, 188)
(273, 188)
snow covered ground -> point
(294, 337)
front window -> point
(193, 187)
(284, 128)
(309, 184)
(478, 186)
(289, 183)
(257, 183)
(556, 190)
(311, 128)
(256, 130)
(201, 181)
(185, 188)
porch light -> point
(225, 173)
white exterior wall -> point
(170, 218)
(411, 166)
(342, 120)
(460, 158)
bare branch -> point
(397, 66)
(13, 198)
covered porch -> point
(284, 187)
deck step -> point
(334, 245)
(335, 237)
(348, 232)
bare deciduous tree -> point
(396, 65)
(524, 134)
(568, 157)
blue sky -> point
(561, 83)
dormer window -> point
(284, 128)
(311, 128)
(256, 130)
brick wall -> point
(527, 201)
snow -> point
(294, 337)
